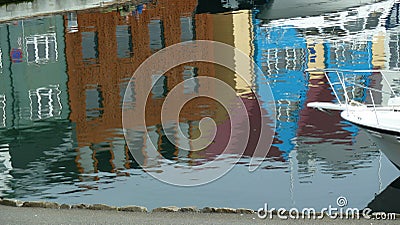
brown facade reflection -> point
(104, 74)
(105, 49)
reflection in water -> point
(387, 200)
(45, 162)
(389, 144)
(45, 103)
(62, 88)
(6, 167)
(274, 10)
(40, 7)
(221, 6)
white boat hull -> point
(383, 120)
(326, 106)
(389, 145)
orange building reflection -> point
(99, 71)
(103, 50)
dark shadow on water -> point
(388, 200)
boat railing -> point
(347, 78)
(347, 81)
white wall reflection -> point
(5, 168)
(2, 111)
(27, 9)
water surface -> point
(63, 77)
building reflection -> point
(103, 51)
(81, 109)
(393, 19)
(33, 46)
(100, 66)
(285, 48)
(5, 168)
(237, 29)
(33, 106)
(283, 63)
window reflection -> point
(159, 84)
(183, 141)
(191, 86)
(136, 145)
(42, 48)
(45, 102)
(89, 45)
(94, 102)
(156, 35)
(102, 153)
(187, 33)
(394, 50)
(2, 111)
(5, 168)
(124, 41)
(233, 4)
(167, 134)
(151, 148)
(85, 160)
(127, 93)
(72, 25)
(1, 61)
(393, 20)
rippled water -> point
(63, 77)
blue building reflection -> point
(285, 50)
(281, 53)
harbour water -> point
(63, 78)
